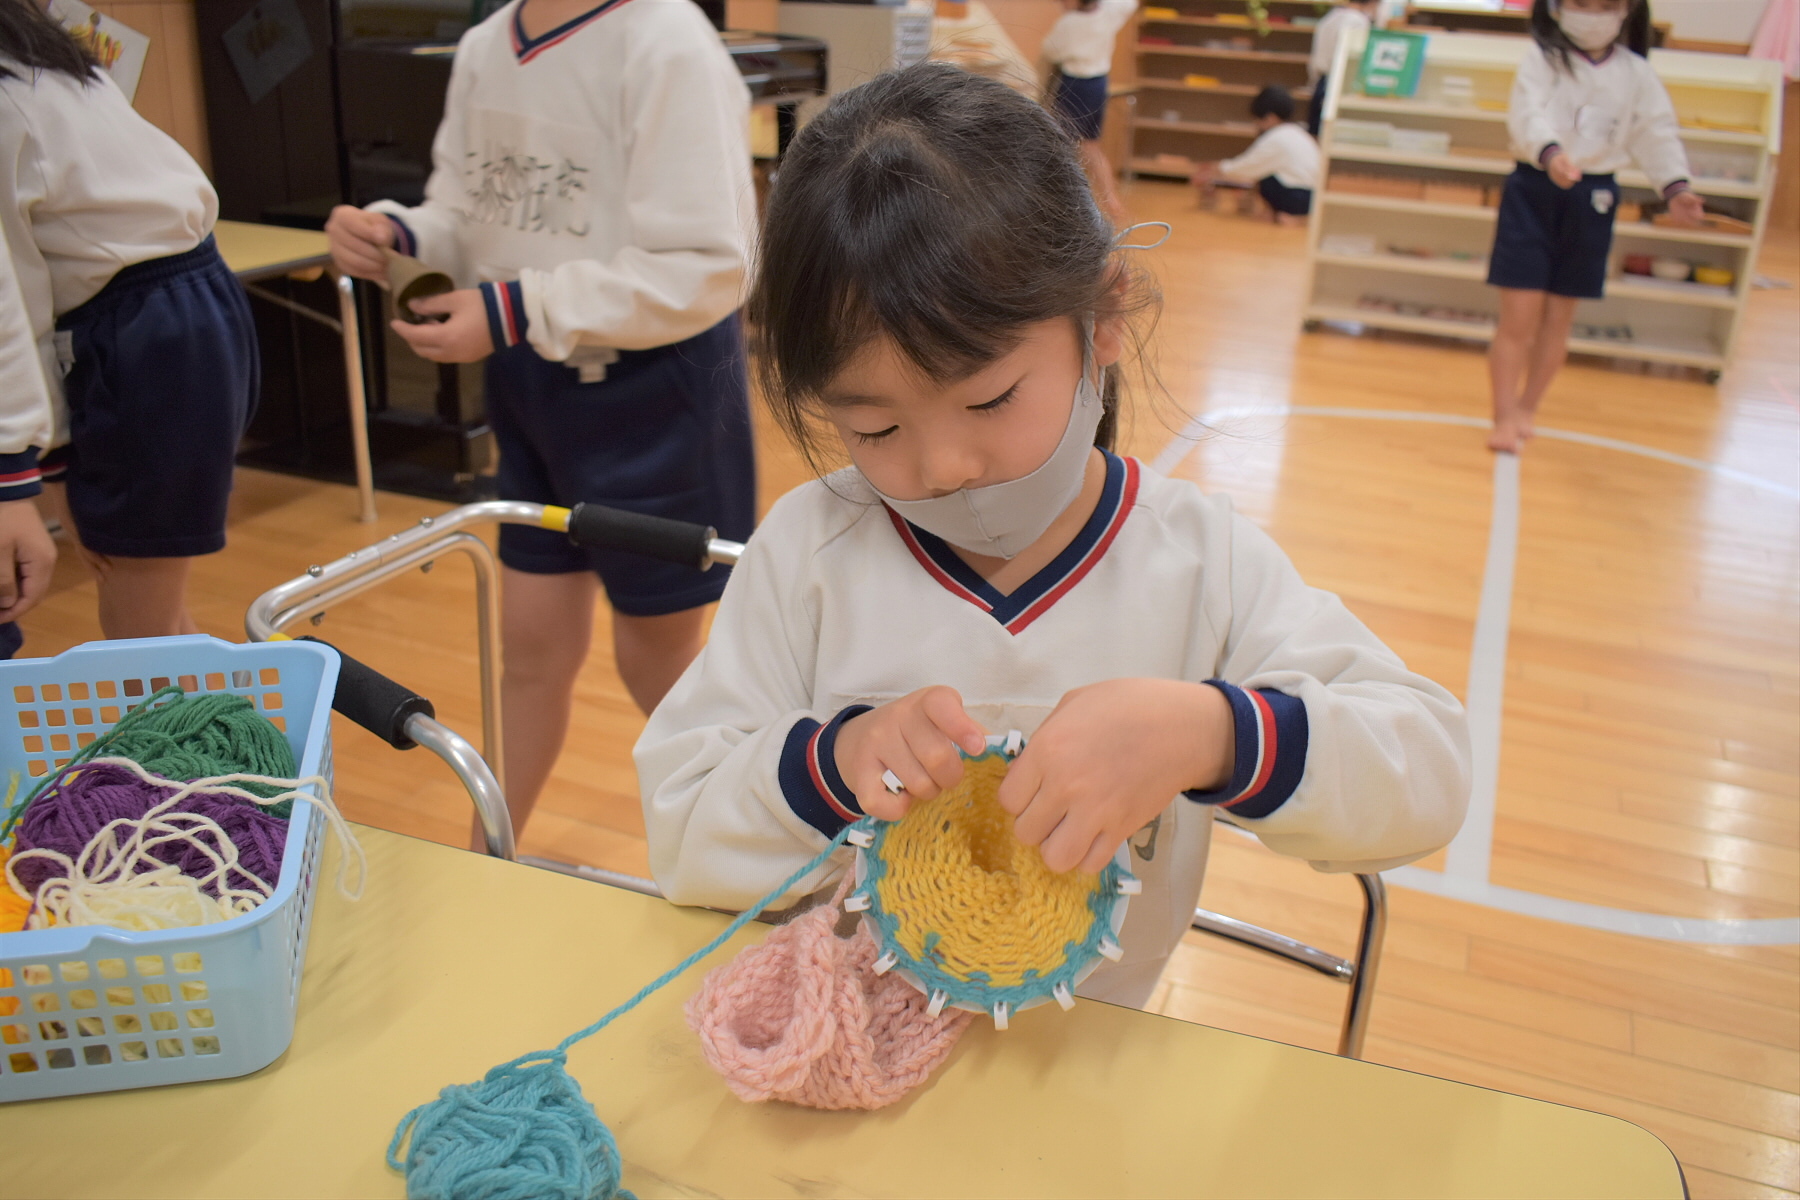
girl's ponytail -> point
(31, 38)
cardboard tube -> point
(409, 280)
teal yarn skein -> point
(525, 1131)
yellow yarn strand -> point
(956, 874)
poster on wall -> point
(266, 45)
(117, 46)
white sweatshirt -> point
(1080, 44)
(1344, 757)
(89, 187)
(1604, 115)
(1327, 34)
(1285, 151)
(595, 179)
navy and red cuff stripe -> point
(1672, 190)
(809, 776)
(405, 241)
(1271, 751)
(505, 313)
(20, 478)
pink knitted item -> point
(803, 1018)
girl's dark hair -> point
(1559, 49)
(1273, 101)
(31, 38)
(943, 210)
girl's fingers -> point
(943, 707)
(895, 756)
(1100, 853)
(1069, 844)
(1045, 812)
(935, 754)
(1020, 783)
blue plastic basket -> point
(95, 1009)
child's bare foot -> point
(1290, 220)
(1505, 438)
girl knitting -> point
(1585, 103)
(940, 293)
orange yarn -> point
(804, 1018)
(14, 908)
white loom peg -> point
(885, 963)
(1001, 1011)
(892, 783)
(861, 837)
(938, 1000)
(1015, 742)
(1064, 996)
(1111, 950)
(856, 902)
(1130, 885)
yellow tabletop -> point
(261, 251)
(453, 963)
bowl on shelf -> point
(1674, 270)
(1715, 276)
(1638, 264)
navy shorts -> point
(1550, 240)
(1081, 103)
(164, 377)
(1295, 202)
(667, 432)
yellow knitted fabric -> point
(963, 890)
(13, 907)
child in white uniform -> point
(1283, 164)
(1347, 17)
(591, 194)
(938, 288)
(145, 345)
(1585, 103)
(1080, 47)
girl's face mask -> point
(1002, 519)
(1026, 420)
(1592, 32)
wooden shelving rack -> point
(1407, 248)
(1179, 122)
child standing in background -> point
(591, 196)
(146, 366)
(1348, 16)
(938, 290)
(1080, 47)
(1283, 163)
(1585, 104)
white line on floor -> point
(1465, 876)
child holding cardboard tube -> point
(599, 261)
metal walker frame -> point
(406, 719)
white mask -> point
(1003, 518)
(1591, 31)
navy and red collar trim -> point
(526, 48)
(1033, 598)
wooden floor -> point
(1651, 727)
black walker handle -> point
(374, 701)
(601, 528)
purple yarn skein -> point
(67, 817)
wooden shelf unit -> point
(1177, 124)
(1414, 258)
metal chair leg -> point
(1360, 975)
(1368, 962)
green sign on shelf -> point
(1391, 63)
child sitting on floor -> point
(1283, 164)
(939, 290)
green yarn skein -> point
(198, 737)
(190, 737)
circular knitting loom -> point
(969, 915)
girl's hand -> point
(358, 238)
(464, 338)
(1686, 208)
(917, 737)
(1109, 759)
(1563, 171)
(27, 556)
